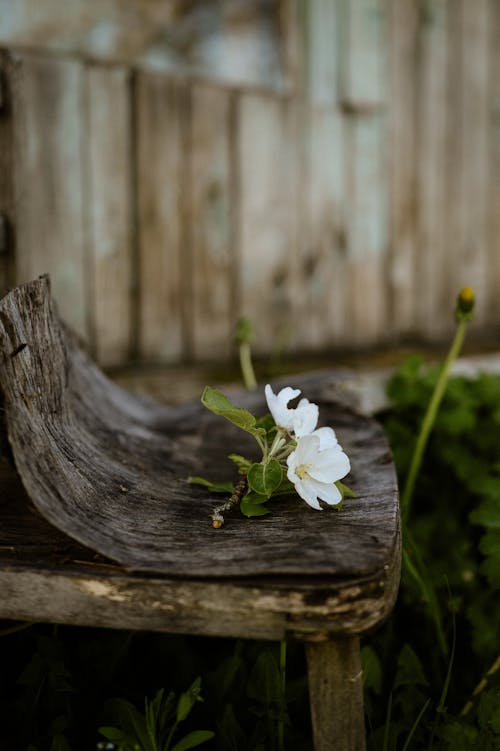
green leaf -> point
(266, 422)
(265, 478)
(188, 699)
(345, 490)
(252, 504)
(196, 738)
(240, 461)
(219, 404)
(213, 487)
(285, 487)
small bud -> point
(244, 331)
(217, 523)
(466, 301)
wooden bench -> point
(100, 527)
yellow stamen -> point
(302, 470)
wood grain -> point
(226, 42)
(161, 173)
(210, 220)
(48, 111)
(336, 695)
(267, 165)
(494, 176)
(109, 211)
(111, 471)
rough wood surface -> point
(111, 471)
(7, 193)
(336, 695)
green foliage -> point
(265, 478)
(219, 404)
(155, 729)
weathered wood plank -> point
(226, 41)
(367, 222)
(321, 52)
(109, 211)
(471, 265)
(494, 177)
(267, 165)
(111, 470)
(336, 695)
(362, 64)
(161, 175)
(48, 111)
(7, 192)
(433, 193)
(403, 158)
(323, 263)
(210, 220)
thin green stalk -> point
(281, 721)
(415, 726)
(430, 416)
(246, 366)
(388, 717)
(446, 685)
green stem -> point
(281, 721)
(430, 418)
(246, 366)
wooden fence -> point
(337, 189)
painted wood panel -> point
(48, 110)
(237, 43)
(402, 163)
(210, 221)
(267, 215)
(323, 252)
(109, 211)
(362, 68)
(433, 191)
(367, 237)
(493, 238)
(471, 260)
(321, 56)
(164, 262)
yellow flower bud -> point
(466, 301)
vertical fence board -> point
(267, 216)
(109, 211)
(361, 56)
(321, 53)
(471, 257)
(160, 166)
(367, 229)
(493, 238)
(210, 222)
(404, 21)
(48, 107)
(431, 164)
(323, 234)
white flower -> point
(302, 420)
(314, 468)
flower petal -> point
(277, 405)
(307, 449)
(307, 493)
(330, 465)
(327, 438)
(305, 418)
(287, 394)
(328, 492)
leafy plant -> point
(155, 729)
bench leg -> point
(336, 695)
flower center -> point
(302, 470)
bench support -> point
(336, 695)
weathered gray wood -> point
(210, 218)
(267, 216)
(108, 147)
(50, 232)
(164, 264)
(336, 695)
(111, 470)
(494, 177)
(228, 42)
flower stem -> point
(246, 366)
(430, 417)
(232, 502)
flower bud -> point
(466, 301)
